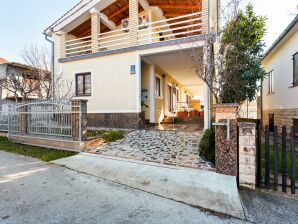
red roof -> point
(3, 60)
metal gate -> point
(277, 159)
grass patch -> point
(271, 158)
(44, 154)
(108, 136)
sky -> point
(22, 22)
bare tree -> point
(35, 80)
(208, 58)
(22, 83)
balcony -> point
(166, 30)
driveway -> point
(177, 148)
(32, 191)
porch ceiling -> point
(181, 67)
(119, 10)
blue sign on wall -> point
(133, 69)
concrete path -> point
(199, 188)
(35, 192)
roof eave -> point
(281, 37)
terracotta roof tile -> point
(3, 60)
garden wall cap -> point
(226, 105)
(247, 124)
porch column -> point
(152, 94)
(207, 107)
(133, 22)
(63, 38)
(95, 29)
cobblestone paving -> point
(164, 147)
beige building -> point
(280, 88)
(133, 59)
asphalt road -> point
(32, 191)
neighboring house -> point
(130, 58)
(24, 79)
(280, 88)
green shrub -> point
(207, 145)
(112, 136)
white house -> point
(280, 88)
(130, 58)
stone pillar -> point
(95, 29)
(79, 120)
(247, 154)
(226, 149)
(63, 37)
(205, 16)
(133, 22)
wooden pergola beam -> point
(118, 12)
(189, 7)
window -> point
(188, 100)
(83, 84)
(295, 69)
(157, 86)
(270, 82)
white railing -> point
(113, 40)
(78, 46)
(173, 28)
(163, 30)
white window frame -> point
(160, 87)
(271, 82)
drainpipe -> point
(52, 63)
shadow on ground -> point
(263, 207)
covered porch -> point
(173, 97)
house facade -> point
(17, 78)
(280, 88)
(133, 59)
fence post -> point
(79, 120)
(259, 159)
(226, 150)
(23, 119)
(284, 159)
(247, 154)
(293, 158)
(267, 158)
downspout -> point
(52, 63)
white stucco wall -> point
(114, 89)
(280, 61)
